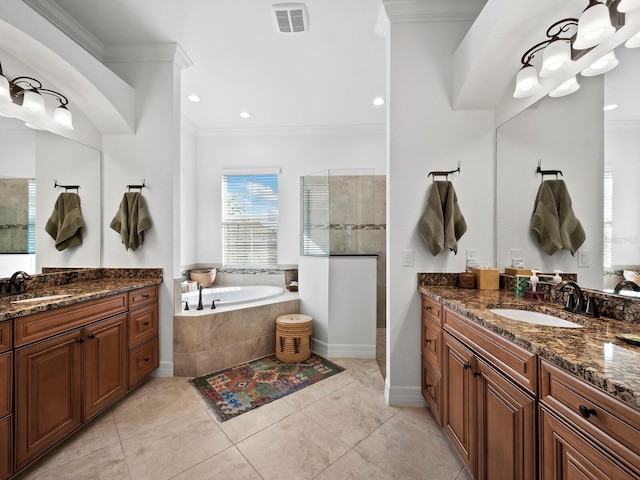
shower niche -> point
(342, 263)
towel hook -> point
(140, 187)
(444, 174)
(547, 172)
(66, 187)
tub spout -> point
(200, 307)
(627, 283)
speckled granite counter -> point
(593, 353)
(80, 285)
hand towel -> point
(66, 221)
(553, 219)
(131, 220)
(442, 223)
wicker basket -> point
(204, 276)
(294, 335)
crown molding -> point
(424, 11)
(147, 52)
(55, 15)
(307, 130)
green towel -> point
(66, 221)
(131, 220)
(554, 221)
(442, 223)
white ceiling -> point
(326, 76)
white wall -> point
(567, 133)
(296, 152)
(189, 223)
(153, 154)
(425, 135)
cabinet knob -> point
(586, 412)
(146, 323)
(427, 340)
(427, 307)
(92, 335)
(147, 359)
(146, 295)
(466, 366)
(80, 340)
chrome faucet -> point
(575, 300)
(627, 283)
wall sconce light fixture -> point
(27, 92)
(598, 22)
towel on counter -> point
(553, 219)
(442, 223)
(66, 221)
(131, 220)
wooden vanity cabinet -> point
(64, 379)
(143, 334)
(488, 416)
(6, 400)
(431, 341)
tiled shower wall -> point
(357, 216)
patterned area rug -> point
(239, 389)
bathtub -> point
(240, 329)
(224, 296)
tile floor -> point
(339, 428)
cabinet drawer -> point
(431, 390)
(142, 361)
(431, 309)
(6, 452)
(432, 343)
(142, 296)
(6, 383)
(142, 324)
(6, 335)
(42, 325)
(514, 361)
(608, 420)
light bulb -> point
(567, 88)
(594, 27)
(62, 117)
(527, 82)
(33, 102)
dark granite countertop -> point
(593, 353)
(107, 282)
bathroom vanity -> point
(524, 401)
(67, 355)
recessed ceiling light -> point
(378, 101)
(245, 115)
(193, 98)
(611, 106)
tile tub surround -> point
(81, 285)
(206, 341)
(593, 353)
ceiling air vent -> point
(291, 17)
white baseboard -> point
(343, 351)
(404, 396)
(164, 370)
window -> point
(250, 219)
(608, 219)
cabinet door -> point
(6, 383)
(5, 448)
(567, 455)
(506, 428)
(459, 403)
(432, 390)
(48, 393)
(105, 363)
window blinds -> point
(250, 220)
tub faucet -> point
(627, 283)
(575, 301)
(200, 307)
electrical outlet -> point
(516, 258)
(583, 259)
(472, 258)
(407, 258)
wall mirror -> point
(573, 134)
(32, 160)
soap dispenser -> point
(557, 278)
(534, 279)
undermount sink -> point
(537, 318)
(42, 299)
